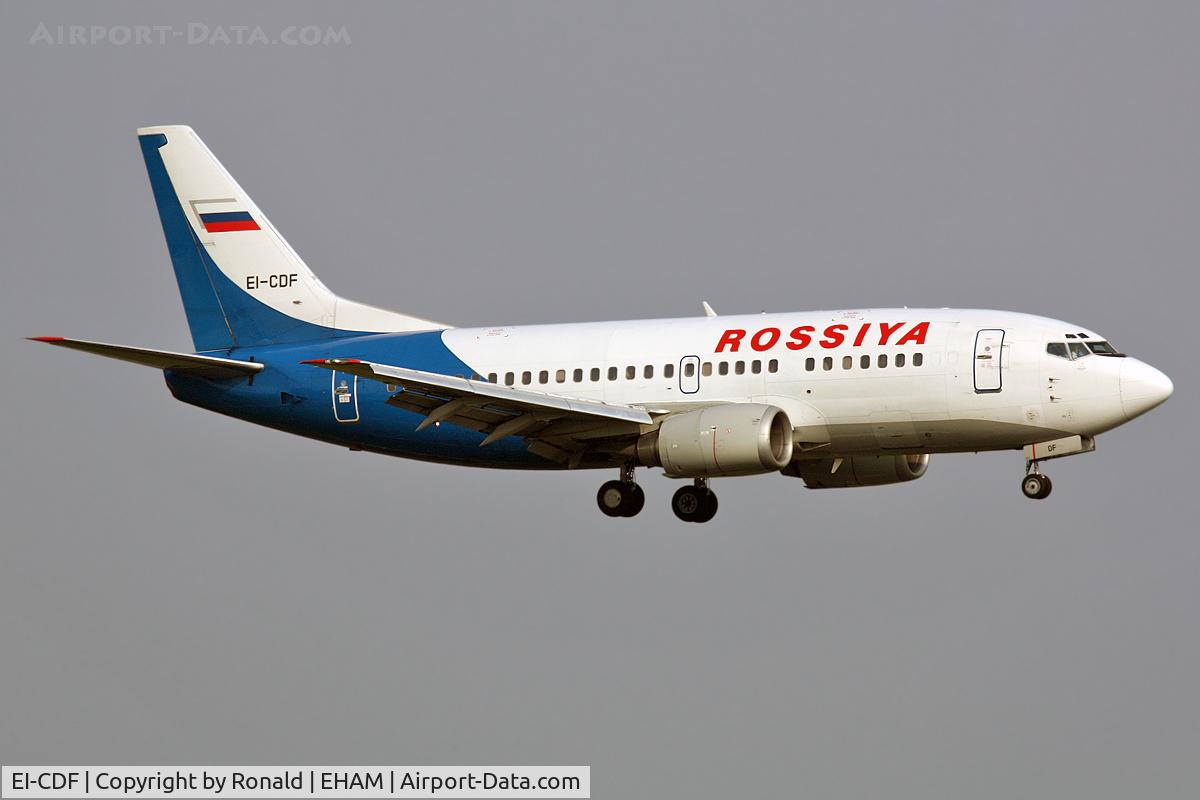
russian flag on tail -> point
(222, 221)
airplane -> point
(835, 398)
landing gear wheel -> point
(710, 507)
(620, 498)
(1036, 486)
(694, 504)
(637, 499)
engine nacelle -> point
(732, 439)
(859, 471)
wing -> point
(204, 366)
(561, 428)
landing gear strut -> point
(621, 498)
(1035, 485)
(696, 503)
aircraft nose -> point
(1142, 387)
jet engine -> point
(730, 439)
(859, 470)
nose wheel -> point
(696, 503)
(1036, 486)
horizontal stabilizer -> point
(206, 366)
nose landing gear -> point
(1035, 485)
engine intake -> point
(859, 471)
(732, 439)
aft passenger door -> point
(989, 357)
(345, 397)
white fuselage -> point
(899, 380)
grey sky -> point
(176, 587)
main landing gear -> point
(696, 503)
(1035, 485)
(624, 498)
(621, 498)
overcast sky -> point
(181, 588)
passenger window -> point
(847, 362)
(706, 368)
(865, 362)
(508, 379)
(827, 364)
(882, 360)
(560, 376)
(612, 373)
(918, 359)
(689, 369)
(756, 366)
(723, 368)
(526, 378)
(630, 373)
(1078, 349)
(595, 374)
(668, 370)
(810, 364)
(648, 372)
(739, 367)
(899, 359)
(773, 365)
(492, 377)
(1058, 349)
(543, 377)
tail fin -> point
(242, 284)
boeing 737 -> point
(834, 398)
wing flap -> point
(481, 395)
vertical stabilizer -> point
(241, 282)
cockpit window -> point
(1057, 349)
(1078, 349)
(1104, 349)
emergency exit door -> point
(989, 352)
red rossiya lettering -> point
(833, 336)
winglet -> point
(708, 310)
